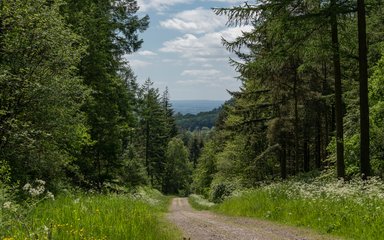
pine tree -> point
(111, 30)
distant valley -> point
(195, 106)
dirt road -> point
(204, 225)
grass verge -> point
(137, 216)
(199, 203)
(352, 210)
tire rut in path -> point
(205, 225)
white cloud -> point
(208, 73)
(207, 65)
(147, 53)
(230, 1)
(196, 21)
(217, 81)
(138, 63)
(159, 5)
(208, 77)
(203, 48)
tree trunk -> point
(283, 162)
(365, 167)
(296, 123)
(147, 164)
(306, 150)
(338, 95)
(318, 142)
(306, 155)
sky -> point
(182, 49)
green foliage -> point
(133, 172)
(351, 124)
(377, 117)
(154, 132)
(350, 210)
(177, 169)
(98, 217)
(283, 118)
(205, 170)
(221, 190)
(110, 29)
(5, 190)
(42, 128)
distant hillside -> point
(195, 106)
(198, 121)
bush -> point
(220, 191)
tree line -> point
(307, 69)
(71, 110)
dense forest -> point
(72, 112)
(73, 116)
(307, 71)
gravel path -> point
(204, 225)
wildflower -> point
(27, 186)
(10, 206)
(50, 195)
(34, 192)
(39, 181)
(7, 205)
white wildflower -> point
(27, 187)
(39, 181)
(10, 206)
(40, 189)
(50, 195)
(34, 192)
(7, 205)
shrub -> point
(219, 191)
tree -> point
(177, 177)
(365, 167)
(206, 168)
(111, 30)
(42, 129)
(154, 133)
(338, 93)
(170, 122)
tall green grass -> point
(138, 216)
(199, 203)
(351, 210)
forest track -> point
(205, 225)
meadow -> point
(351, 210)
(95, 216)
(348, 209)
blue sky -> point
(182, 49)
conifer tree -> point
(111, 30)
